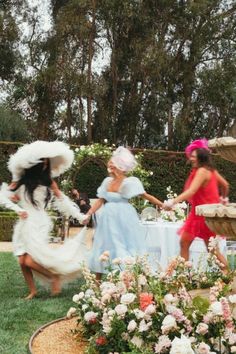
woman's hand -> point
(12, 186)
(86, 221)
(224, 200)
(168, 204)
(23, 214)
(15, 198)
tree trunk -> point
(89, 77)
(170, 129)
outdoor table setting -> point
(163, 243)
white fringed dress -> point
(31, 235)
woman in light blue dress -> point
(118, 229)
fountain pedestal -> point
(221, 218)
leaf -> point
(201, 304)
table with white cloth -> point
(163, 244)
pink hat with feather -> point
(196, 144)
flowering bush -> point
(104, 153)
(179, 210)
(135, 311)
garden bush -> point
(7, 222)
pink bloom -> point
(226, 313)
(101, 341)
(145, 299)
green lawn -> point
(20, 318)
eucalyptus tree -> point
(159, 52)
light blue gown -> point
(118, 229)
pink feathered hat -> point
(196, 144)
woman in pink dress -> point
(202, 187)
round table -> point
(162, 243)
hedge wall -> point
(169, 168)
(7, 222)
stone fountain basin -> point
(220, 218)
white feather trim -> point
(59, 153)
(68, 208)
(5, 194)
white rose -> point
(96, 302)
(150, 309)
(131, 326)
(84, 307)
(202, 328)
(90, 316)
(108, 288)
(111, 313)
(216, 308)
(143, 326)
(181, 346)
(117, 261)
(105, 298)
(232, 338)
(232, 299)
(203, 348)
(121, 310)
(138, 313)
(138, 342)
(142, 280)
(168, 323)
(127, 298)
(169, 298)
(89, 293)
(71, 312)
(77, 297)
(233, 348)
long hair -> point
(204, 159)
(38, 175)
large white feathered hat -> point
(59, 153)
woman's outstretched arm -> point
(151, 199)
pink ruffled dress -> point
(195, 225)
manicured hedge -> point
(169, 168)
(7, 222)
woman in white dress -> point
(33, 167)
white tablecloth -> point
(162, 243)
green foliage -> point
(9, 34)
(7, 222)
(6, 149)
(201, 304)
(12, 126)
(158, 83)
(160, 169)
(89, 177)
(89, 169)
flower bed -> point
(135, 311)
